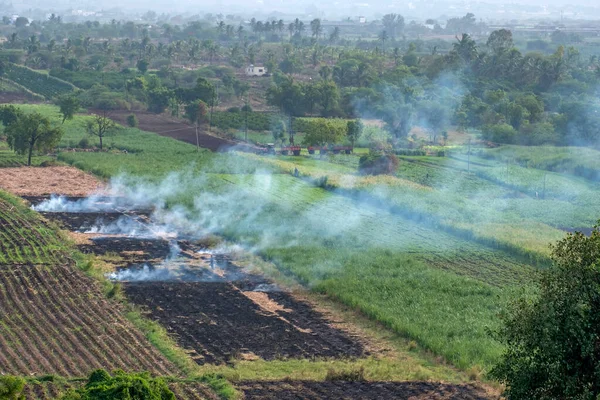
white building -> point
(251, 70)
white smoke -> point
(133, 227)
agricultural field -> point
(55, 319)
(363, 245)
(41, 84)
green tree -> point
(196, 112)
(322, 131)
(552, 346)
(393, 24)
(21, 22)
(353, 130)
(500, 41)
(68, 107)
(142, 66)
(100, 126)
(31, 132)
(278, 130)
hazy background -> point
(489, 10)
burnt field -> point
(343, 390)
(210, 306)
(219, 322)
(216, 311)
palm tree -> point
(316, 28)
(383, 36)
(466, 48)
(220, 28)
(335, 35)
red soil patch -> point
(38, 181)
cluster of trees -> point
(510, 96)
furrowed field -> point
(427, 283)
(433, 252)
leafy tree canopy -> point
(553, 338)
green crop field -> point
(433, 252)
(423, 282)
(37, 82)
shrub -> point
(11, 387)
(122, 386)
(502, 133)
(132, 121)
(355, 375)
(84, 143)
(233, 110)
(378, 164)
(247, 108)
(410, 152)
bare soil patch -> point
(16, 97)
(342, 390)
(174, 129)
(217, 322)
(40, 181)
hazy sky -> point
(335, 9)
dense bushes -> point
(376, 163)
(11, 387)
(307, 124)
(121, 386)
(132, 121)
(236, 120)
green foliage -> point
(100, 126)
(68, 105)
(502, 133)
(376, 163)
(353, 130)
(196, 111)
(278, 130)
(142, 66)
(257, 121)
(42, 84)
(31, 132)
(11, 387)
(321, 131)
(122, 386)
(552, 338)
(158, 99)
(132, 121)
(113, 80)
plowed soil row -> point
(55, 320)
(305, 390)
(217, 322)
(24, 238)
(177, 130)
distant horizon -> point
(490, 10)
